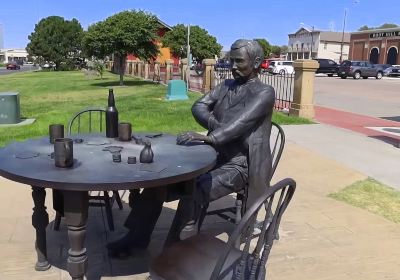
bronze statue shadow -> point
(98, 235)
(126, 83)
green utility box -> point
(176, 90)
(9, 108)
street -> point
(371, 97)
(24, 68)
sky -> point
(226, 20)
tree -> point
(129, 32)
(383, 26)
(284, 49)
(276, 50)
(265, 46)
(55, 40)
(202, 44)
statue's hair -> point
(252, 47)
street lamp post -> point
(312, 41)
(342, 42)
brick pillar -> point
(157, 74)
(146, 70)
(184, 66)
(208, 74)
(168, 70)
(127, 67)
(139, 68)
(303, 95)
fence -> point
(283, 85)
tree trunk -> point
(121, 69)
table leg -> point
(40, 220)
(76, 213)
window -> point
(287, 63)
(325, 45)
(302, 45)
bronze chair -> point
(233, 214)
(88, 120)
(204, 257)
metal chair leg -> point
(107, 205)
(57, 221)
(118, 199)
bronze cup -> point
(55, 131)
(125, 131)
(63, 152)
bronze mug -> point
(124, 131)
(63, 152)
(55, 131)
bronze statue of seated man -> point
(237, 114)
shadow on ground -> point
(387, 139)
(98, 235)
(126, 83)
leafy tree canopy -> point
(271, 50)
(265, 45)
(383, 26)
(55, 40)
(128, 32)
(202, 44)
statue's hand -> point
(191, 136)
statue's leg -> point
(184, 213)
(40, 220)
(76, 213)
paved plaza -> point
(320, 238)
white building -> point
(305, 44)
(7, 55)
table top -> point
(30, 162)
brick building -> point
(377, 45)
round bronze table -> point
(31, 162)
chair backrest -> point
(277, 143)
(254, 252)
(87, 120)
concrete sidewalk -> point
(320, 237)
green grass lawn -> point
(373, 196)
(53, 97)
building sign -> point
(384, 34)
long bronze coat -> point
(240, 115)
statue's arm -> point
(255, 111)
(202, 109)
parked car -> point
(393, 71)
(382, 66)
(281, 67)
(12, 66)
(358, 69)
(327, 66)
(265, 64)
(222, 64)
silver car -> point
(358, 69)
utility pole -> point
(341, 44)
(189, 59)
(312, 41)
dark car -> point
(393, 71)
(12, 66)
(327, 66)
(358, 69)
(222, 64)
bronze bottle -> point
(111, 117)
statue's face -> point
(242, 65)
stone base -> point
(21, 123)
(302, 110)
